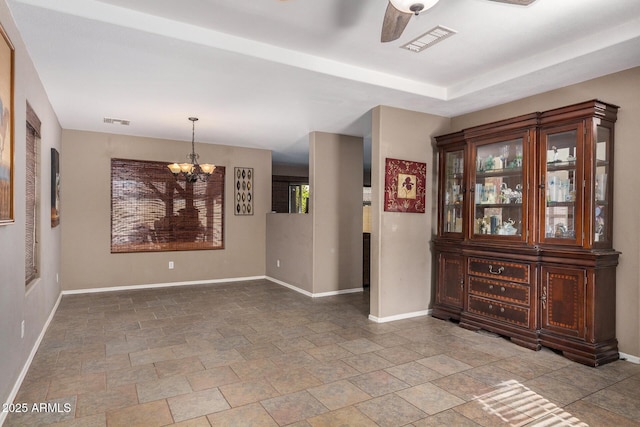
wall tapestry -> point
(244, 191)
(6, 129)
(153, 211)
(55, 187)
(404, 186)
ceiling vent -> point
(111, 121)
(429, 38)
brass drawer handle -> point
(498, 271)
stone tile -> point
(193, 422)
(293, 380)
(617, 403)
(75, 384)
(329, 352)
(294, 407)
(463, 386)
(338, 394)
(162, 388)
(594, 415)
(249, 415)
(217, 358)
(399, 354)
(147, 414)
(169, 368)
(238, 394)
(297, 359)
(97, 420)
(555, 390)
(134, 375)
(489, 417)
(446, 365)
(390, 411)
(198, 403)
(360, 345)
(252, 369)
(210, 378)
(153, 355)
(349, 416)
(101, 401)
(367, 362)
(446, 418)
(430, 398)
(378, 383)
(413, 373)
(332, 371)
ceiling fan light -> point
(405, 5)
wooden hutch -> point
(524, 243)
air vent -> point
(116, 121)
(429, 38)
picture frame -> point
(405, 186)
(6, 128)
(243, 191)
(55, 188)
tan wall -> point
(622, 89)
(85, 174)
(401, 266)
(335, 173)
(17, 303)
(289, 238)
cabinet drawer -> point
(505, 291)
(503, 270)
(498, 310)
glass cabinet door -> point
(498, 189)
(602, 187)
(453, 192)
(561, 185)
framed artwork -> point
(243, 191)
(404, 186)
(6, 129)
(152, 211)
(55, 187)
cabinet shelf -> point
(561, 166)
(498, 205)
(499, 172)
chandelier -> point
(193, 170)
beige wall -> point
(335, 178)
(401, 266)
(289, 253)
(622, 89)
(85, 173)
(17, 303)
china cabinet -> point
(524, 246)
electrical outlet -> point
(22, 329)
(278, 263)
(170, 265)
(57, 278)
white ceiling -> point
(265, 73)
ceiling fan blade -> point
(518, 2)
(394, 23)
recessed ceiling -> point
(265, 73)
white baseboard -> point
(161, 285)
(399, 316)
(312, 295)
(630, 358)
(27, 364)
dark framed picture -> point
(55, 187)
(6, 128)
(243, 186)
(404, 186)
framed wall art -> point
(6, 128)
(404, 186)
(243, 191)
(55, 187)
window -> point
(32, 191)
(152, 211)
(298, 198)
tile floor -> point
(258, 354)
